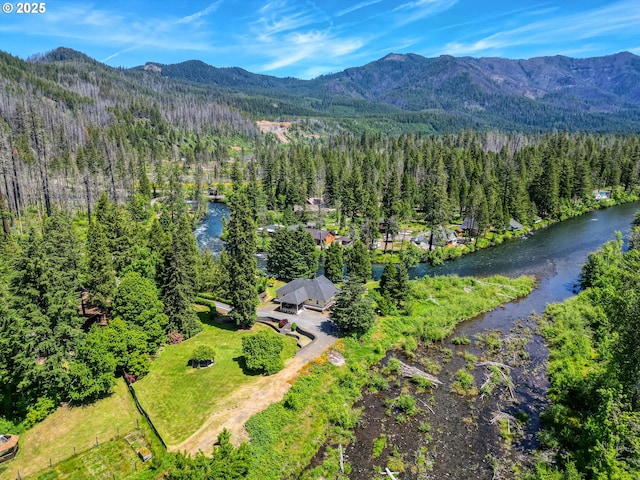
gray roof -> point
(296, 297)
(469, 224)
(301, 289)
(515, 225)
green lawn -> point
(179, 398)
(66, 428)
(112, 460)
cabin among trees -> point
(315, 293)
(8, 447)
(469, 226)
(323, 238)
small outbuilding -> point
(8, 447)
(514, 225)
(315, 293)
(469, 225)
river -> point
(468, 448)
(554, 254)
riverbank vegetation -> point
(318, 408)
(592, 428)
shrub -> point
(461, 340)
(465, 383)
(379, 445)
(38, 411)
(406, 404)
(293, 401)
(494, 342)
(346, 418)
(262, 352)
(396, 462)
(393, 365)
(377, 383)
(424, 426)
(174, 338)
(410, 346)
(201, 354)
(422, 383)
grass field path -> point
(255, 397)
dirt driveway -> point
(257, 396)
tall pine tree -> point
(101, 278)
(178, 280)
(241, 249)
(334, 263)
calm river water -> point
(554, 255)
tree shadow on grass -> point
(222, 322)
(241, 361)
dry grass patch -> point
(66, 428)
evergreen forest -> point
(105, 173)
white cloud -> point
(620, 18)
(202, 13)
(307, 46)
(355, 7)
(411, 12)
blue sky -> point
(305, 39)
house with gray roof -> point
(315, 293)
(514, 225)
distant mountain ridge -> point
(432, 94)
(605, 83)
(555, 87)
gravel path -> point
(257, 396)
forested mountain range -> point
(397, 93)
(598, 94)
(71, 128)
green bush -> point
(393, 366)
(377, 383)
(262, 352)
(406, 404)
(38, 412)
(465, 384)
(202, 353)
(422, 383)
(293, 401)
(461, 340)
(379, 445)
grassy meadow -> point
(66, 428)
(179, 398)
